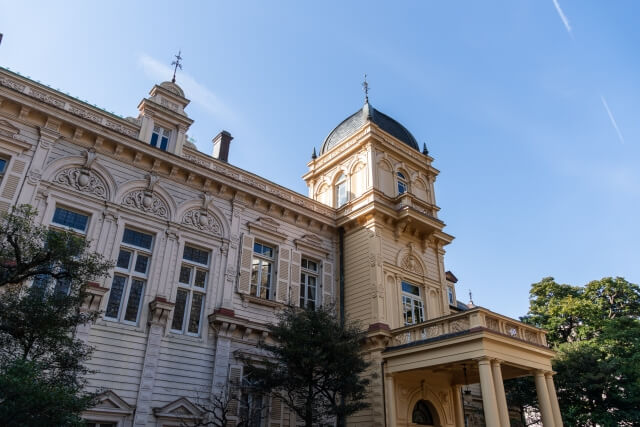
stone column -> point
(390, 399)
(543, 398)
(159, 310)
(458, 405)
(557, 416)
(500, 395)
(489, 403)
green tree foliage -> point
(596, 331)
(43, 275)
(316, 366)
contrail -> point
(565, 21)
(613, 121)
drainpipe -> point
(341, 258)
(384, 397)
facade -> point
(207, 253)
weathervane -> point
(177, 65)
(365, 85)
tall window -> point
(412, 305)
(130, 277)
(341, 190)
(160, 137)
(70, 219)
(3, 166)
(308, 283)
(192, 285)
(450, 295)
(262, 270)
(402, 183)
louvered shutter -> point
(276, 411)
(296, 259)
(246, 255)
(327, 283)
(235, 379)
(284, 256)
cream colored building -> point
(206, 254)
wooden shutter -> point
(296, 259)
(327, 283)
(235, 380)
(284, 256)
(276, 411)
(246, 256)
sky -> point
(531, 109)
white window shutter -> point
(284, 256)
(246, 256)
(276, 411)
(327, 283)
(235, 382)
(296, 259)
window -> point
(342, 196)
(253, 406)
(422, 414)
(262, 270)
(402, 183)
(129, 279)
(308, 283)
(160, 138)
(192, 285)
(70, 219)
(450, 295)
(412, 304)
(3, 166)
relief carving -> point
(203, 221)
(83, 180)
(410, 263)
(147, 202)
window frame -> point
(66, 227)
(341, 182)
(306, 273)
(192, 289)
(7, 160)
(263, 259)
(160, 132)
(451, 295)
(402, 181)
(416, 301)
(130, 274)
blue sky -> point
(531, 109)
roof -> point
(351, 124)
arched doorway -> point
(424, 414)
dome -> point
(173, 88)
(354, 122)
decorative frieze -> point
(83, 180)
(202, 220)
(147, 202)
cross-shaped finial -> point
(177, 65)
(470, 297)
(365, 85)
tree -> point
(315, 365)
(43, 275)
(596, 332)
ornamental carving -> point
(83, 180)
(147, 202)
(411, 263)
(203, 221)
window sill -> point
(261, 301)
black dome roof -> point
(355, 121)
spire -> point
(365, 85)
(314, 155)
(177, 65)
(424, 149)
(471, 304)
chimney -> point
(221, 146)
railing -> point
(415, 203)
(475, 318)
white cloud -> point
(193, 90)
(565, 21)
(613, 120)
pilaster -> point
(543, 399)
(489, 404)
(500, 395)
(553, 397)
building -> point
(206, 253)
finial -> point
(177, 65)
(471, 304)
(424, 148)
(365, 85)
(314, 155)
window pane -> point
(185, 275)
(196, 310)
(124, 258)
(154, 139)
(135, 298)
(63, 286)
(137, 238)
(142, 262)
(115, 297)
(41, 281)
(70, 219)
(265, 280)
(3, 164)
(414, 290)
(201, 278)
(178, 311)
(163, 143)
(196, 255)
(402, 187)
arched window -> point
(402, 183)
(342, 196)
(422, 414)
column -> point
(457, 405)
(543, 399)
(390, 399)
(557, 417)
(500, 395)
(489, 404)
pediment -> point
(311, 243)
(7, 129)
(109, 401)
(267, 227)
(178, 409)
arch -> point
(341, 189)
(409, 260)
(324, 194)
(423, 413)
(97, 170)
(385, 177)
(131, 193)
(358, 178)
(419, 189)
(437, 406)
(402, 180)
(189, 206)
